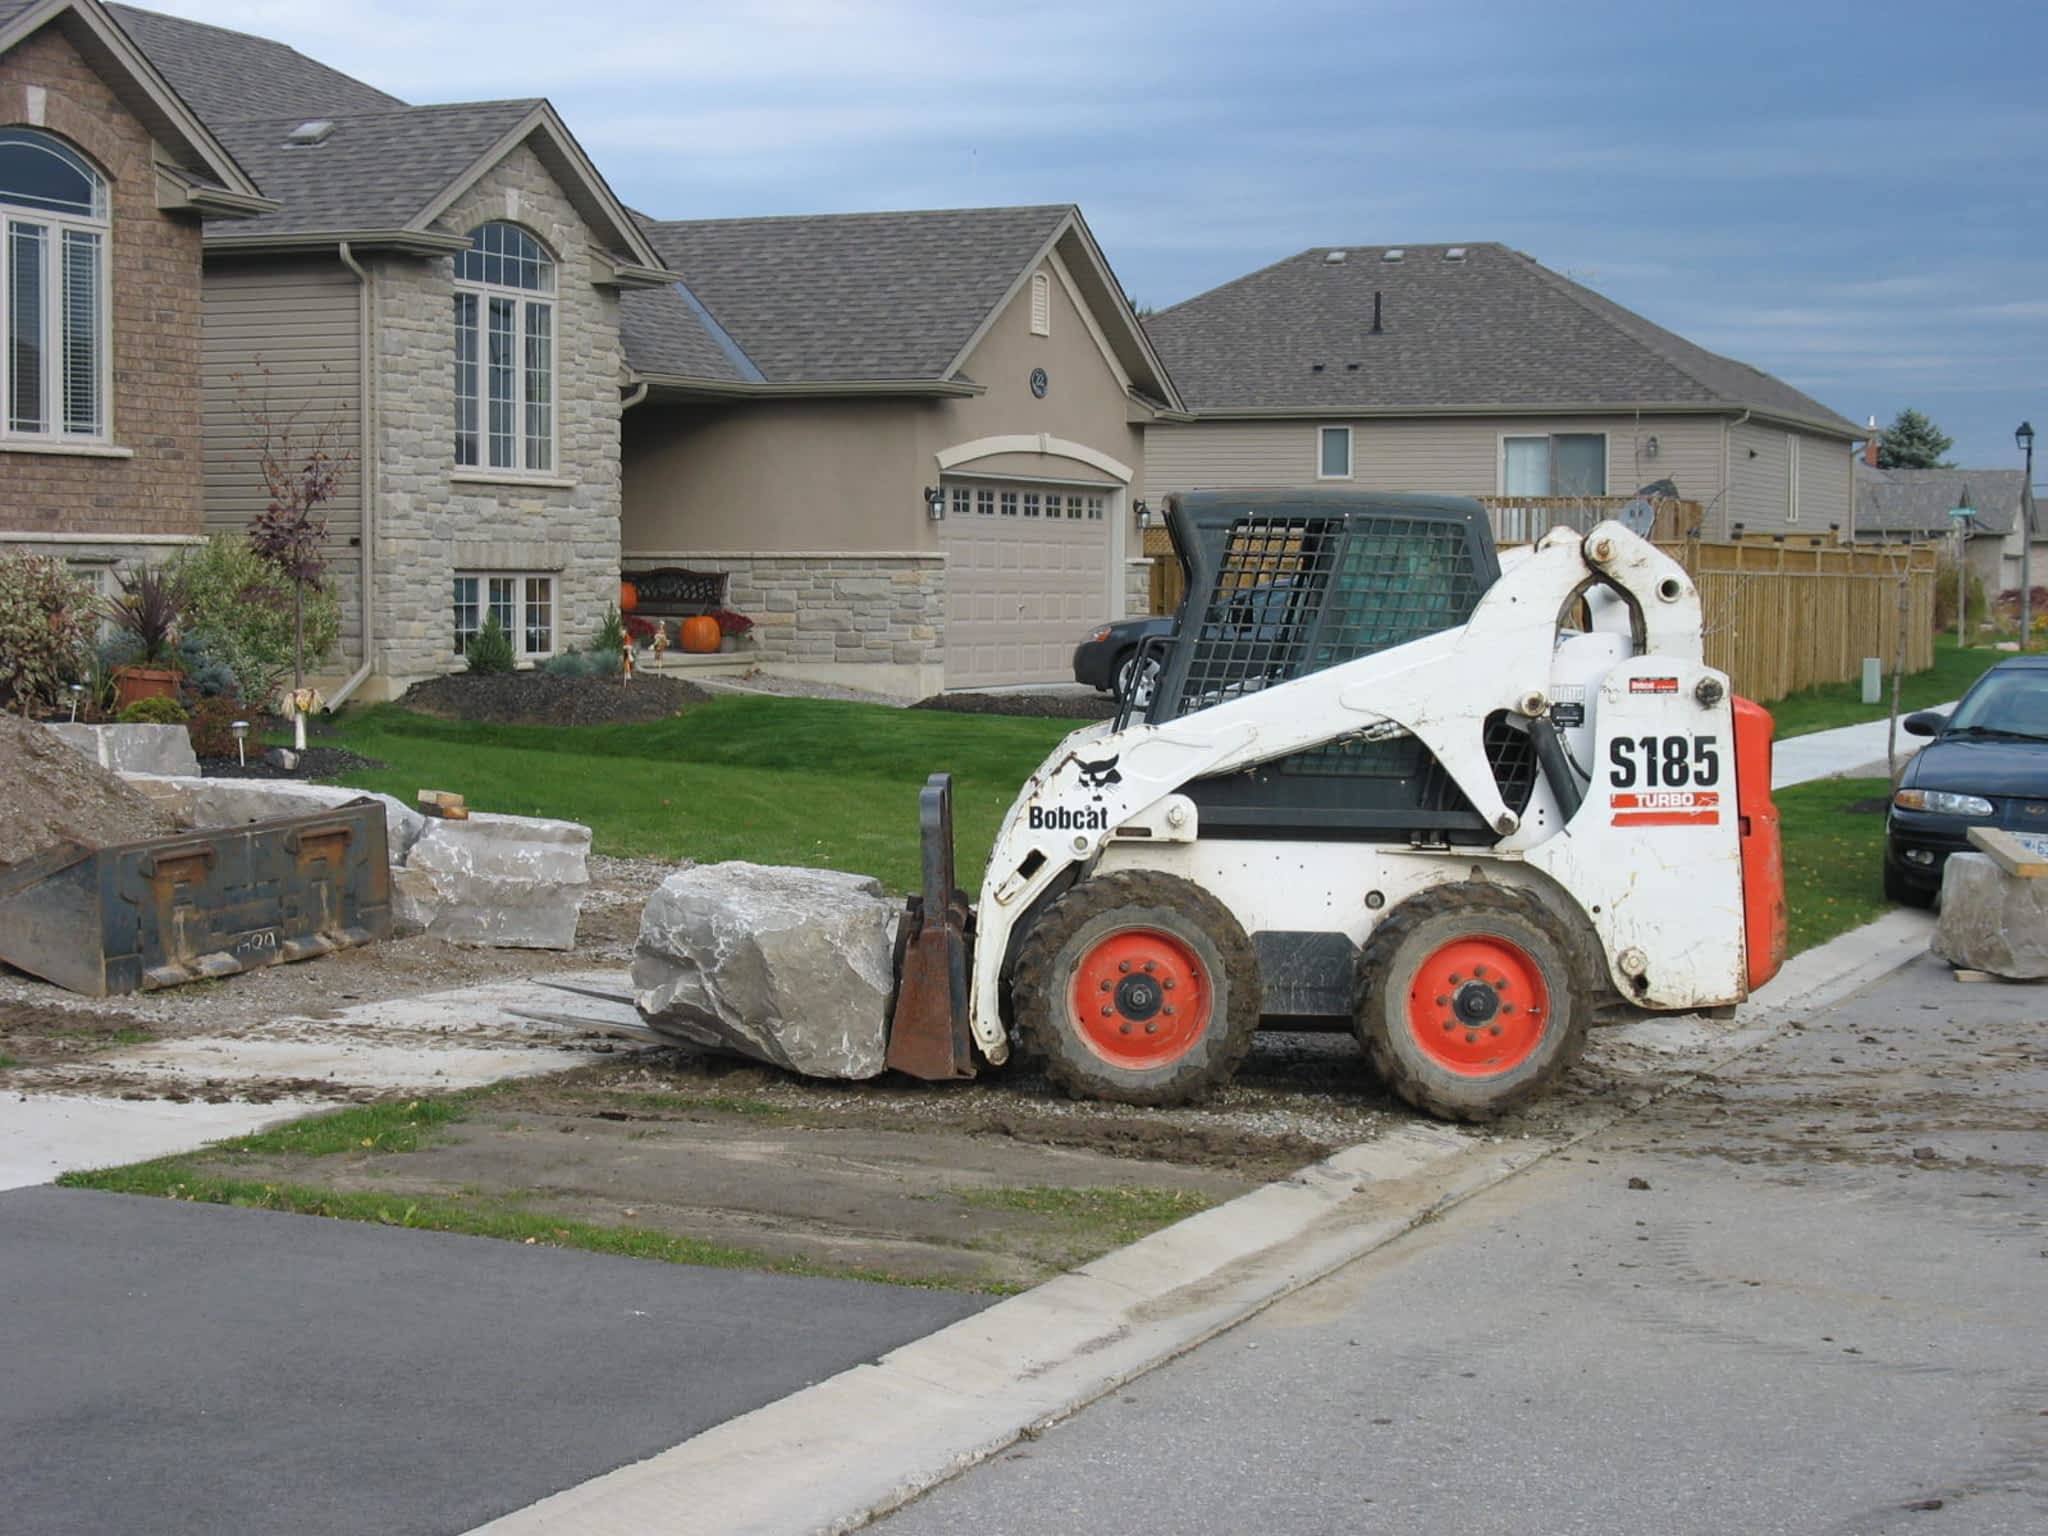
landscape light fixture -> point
(76, 690)
(241, 730)
(935, 503)
(2024, 436)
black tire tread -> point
(1374, 961)
(1039, 1006)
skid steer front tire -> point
(1472, 1000)
(1139, 988)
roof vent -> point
(1395, 254)
(1454, 253)
(312, 132)
(1334, 257)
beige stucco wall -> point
(822, 476)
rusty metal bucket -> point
(928, 1035)
(138, 916)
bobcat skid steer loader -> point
(1464, 805)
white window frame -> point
(1322, 435)
(524, 301)
(1041, 304)
(1791, 477)
(1549, 439)
(98, 225)
(522, 602)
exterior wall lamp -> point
(935, 502)
(1650, 446)
(1143, 510)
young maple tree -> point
(301, 474)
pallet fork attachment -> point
(928, 1035)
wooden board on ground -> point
(2023, 856)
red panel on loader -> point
(1763, 868)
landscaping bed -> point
(542, 698)
(1053, 704)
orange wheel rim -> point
(1140, 998)
(1478, 1006)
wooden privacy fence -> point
(1778, 617)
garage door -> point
(1027, 571)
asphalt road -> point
(1822, 1315)
(177, 1368)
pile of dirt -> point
(541, 698)
(1060, 705)
(55, 794)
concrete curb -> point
(839, 1454)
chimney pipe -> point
(1375, 312)
(1870, 444)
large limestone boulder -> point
(132, 748)
(509, 882)
(1992, 921)
(232, 802)
(789, 966)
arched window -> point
(504, 352)
(53, 297)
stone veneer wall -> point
(880, 615)
(147, 491)
(430, 523)
(1137, 586)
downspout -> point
(634, 396)
(365, 416)
(1727, 469)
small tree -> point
(1913, 442)
(301, 474)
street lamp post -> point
(2024, 436)
(1960, 515)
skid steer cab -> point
(1462, 803)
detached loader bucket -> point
(138, 916)
(928, 1035)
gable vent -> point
(312, 132)
(1041, 304)
(1396, 254)
(1455, 253)
(1334, 257)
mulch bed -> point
(314, 763)
(1056, 706)
(539, 698)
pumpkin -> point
(700, 634)
(629, 597)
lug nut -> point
(1493, 1029)
(1123, 965)
(1105, 983)
(1449, 1026)
(1456, 978)
(1443, 1002)
(1168, 1010)
(1168, 983)
(1151, 1028)
(1123, 1029)
(1150, 968)
(1471, 1037)
(1107, 1011)
(1507, 1007)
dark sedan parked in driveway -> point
(1108, 658)
(1986, 767)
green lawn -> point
(774, 780)
(1833, 857)
(1833, 704)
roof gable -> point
(1918, 500)
(1458, 328)
(144, 90)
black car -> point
(1986, 767)
(1108, 659)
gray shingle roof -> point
(1492, 328)
(1897, 501)
(373, 172)
(226, 76)
(842, 297)
(664, 335)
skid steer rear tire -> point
(1139, 988)
(1472, 1000)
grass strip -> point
(1834, 704)
(1834, 857)
(1113, 1214)
(396, 1127)
(178, 1178)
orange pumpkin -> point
(700, 635)
(629, 597)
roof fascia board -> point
(177, 192)
(613, 273)
(682, 386)
(410, 241)
(1009, 294)
(1840, 430)
(542, 119)
(1066, 281)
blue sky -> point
(1853, 197)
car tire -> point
(1136, 676)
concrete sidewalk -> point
(1849, 751)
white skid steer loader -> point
(1464, 805)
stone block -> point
(133, 748)
(1992, 921)
(787, 966)
(506, 882)
(230, 802)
